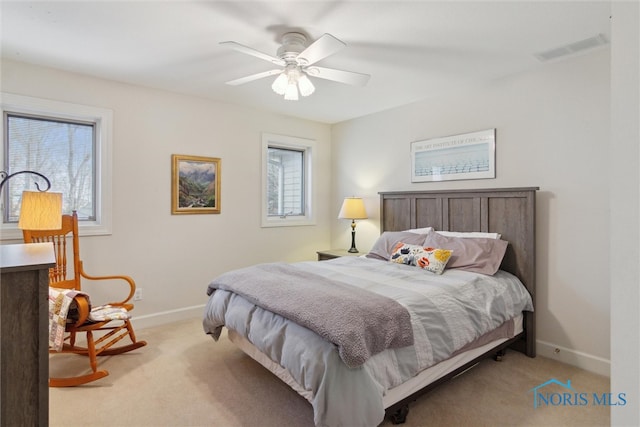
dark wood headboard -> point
(508, 211)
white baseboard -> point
(164, 317)
(585, 361)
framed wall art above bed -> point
(465, 156)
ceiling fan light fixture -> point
(305, 85)
(279, 85)
(298, 59)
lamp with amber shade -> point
(353, 208)
(40, 210)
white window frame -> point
(307, 146)
(103, 119)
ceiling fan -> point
(298, 63)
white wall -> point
(552, 132)
(173, 257)
(625, 210)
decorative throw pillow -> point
(427, 258)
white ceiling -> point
(412, 49)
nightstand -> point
(336, 253)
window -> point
(70, 145)
(61, 150)
(286, 181)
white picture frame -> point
(458, 157)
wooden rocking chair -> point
(108, 332)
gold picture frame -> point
(195, 184)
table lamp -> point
(353, 208)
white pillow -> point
(424, 230)
(470, 234)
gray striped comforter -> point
(447, 312)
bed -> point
(359, 378)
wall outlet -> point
(137, 296)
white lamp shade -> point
(279, 85)
(305, 85)
(353, 208)
(291, 93)
(40, 210)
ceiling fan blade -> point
(348, 77)
(253, 77)
(326, 45)
(251, 51)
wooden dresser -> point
(24, 326)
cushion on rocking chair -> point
(107, 312)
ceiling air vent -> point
(573, 48)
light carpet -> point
(184, 378)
